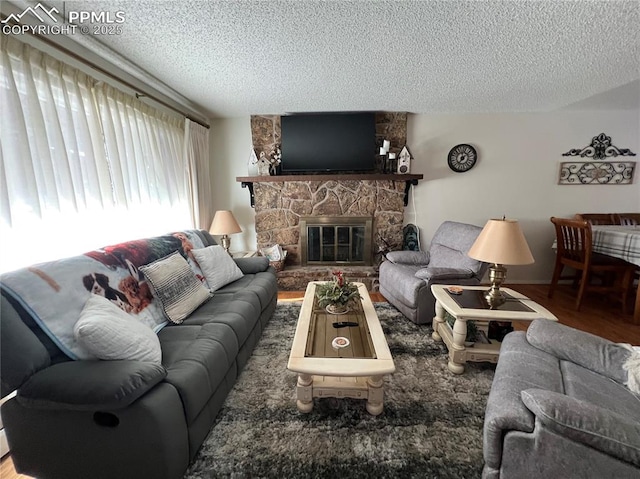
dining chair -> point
(628, 219)
(598, 218)
(574, 250)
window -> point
(82, 164)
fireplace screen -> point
(335, 240)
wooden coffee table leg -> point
(438, 320)
(375, 397)
(459, 336)
(304, 392)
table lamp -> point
(224, 224)
(500, 242)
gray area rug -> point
(431, 426)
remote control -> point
(344, 324)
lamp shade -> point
(501, 242)
(224, 223)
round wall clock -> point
(462, 158)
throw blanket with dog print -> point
(54, 293)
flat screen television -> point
(326, 142)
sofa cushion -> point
(586, 385)
(434, 274)
(252, 265)
(595, 353)
(217, 266)
(240, 313)
(605, 430)
(416, 258)
(445, 257)
(197, 359)
(90, 385)
(261, 284)
(174, 284)
(107, 332)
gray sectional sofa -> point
(124, 418)
(559, 408)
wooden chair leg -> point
(583, 286)
(557, 271)
(627, 284)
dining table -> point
(620, 242)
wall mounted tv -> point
(327, 142)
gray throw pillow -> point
(175, 286)
(217, 266)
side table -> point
(470, 305)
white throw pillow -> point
(175, 286)
(218, 267)
(107, 332)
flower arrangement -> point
(274, 159)
(338, 294)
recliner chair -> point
(406, 277)
(559, 407)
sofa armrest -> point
(90, 385)
(255, 264)
(586, 423)
(587, 350)
(443, 274)
(408, 257)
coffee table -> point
(471, 306)
(356, 371)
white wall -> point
(516, 174)
(230, 146)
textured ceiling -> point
(266, 57)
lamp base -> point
(497, 275)
(225, 241)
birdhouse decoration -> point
(404, 161)
(252, 165)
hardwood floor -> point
(598, 316)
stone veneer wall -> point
(279, 206)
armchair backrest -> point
(450, 245)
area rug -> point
(431, 426)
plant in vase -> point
(338, 294)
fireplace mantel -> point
(411, 179)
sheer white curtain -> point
(150, 175)
(197, 155)
(82, 165)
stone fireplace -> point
(281, 205)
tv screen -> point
(320, 142)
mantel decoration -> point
(598, 172)
(338, 295)
(275, 159)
